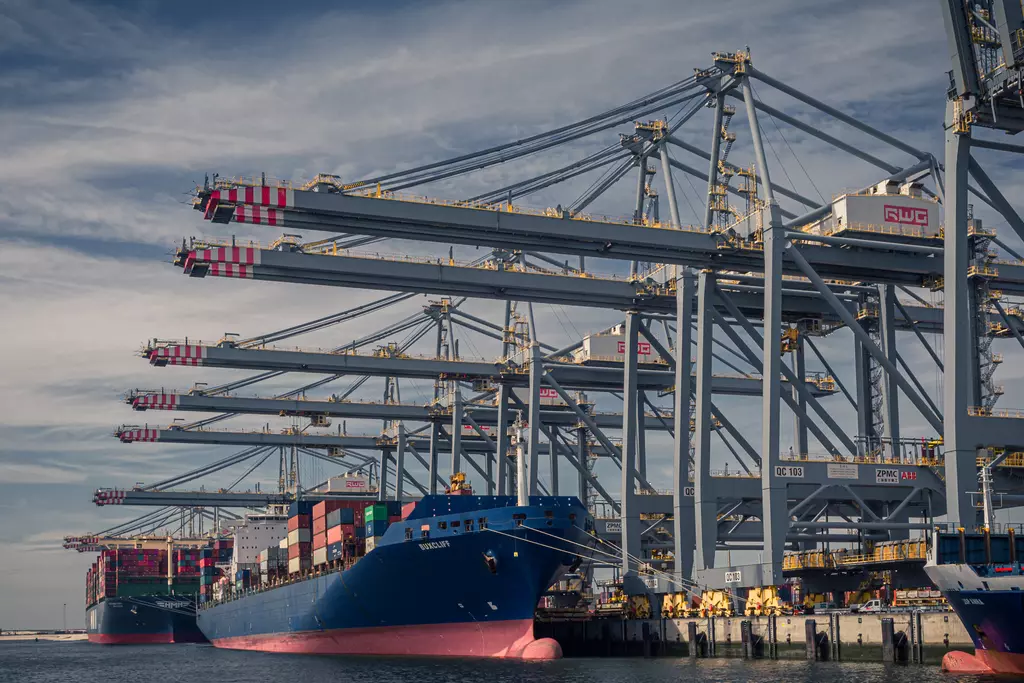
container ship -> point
(980, 576)
(138, 596)
(449, 575)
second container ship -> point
(142, 596)
(455, 575)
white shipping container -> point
(612, 348)
(299, 536)
(320, 556)
(894, 214)
(548, 397)
(355, 483)
(370, 543)
(297, 564)
(468, 430)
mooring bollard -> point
(888, 641)
(835, 638)
(918, 630)
(691, 639)
(811, 639)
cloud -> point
(26, 473)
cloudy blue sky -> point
(110, 113)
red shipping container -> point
(319, 525)
(299, 522)
(324, 506)
(299, 550)
(319, 541)
(348, 531)
(334, 535)
(394, 518)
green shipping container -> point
(378, 511)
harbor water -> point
(30, 662)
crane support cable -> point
(326, 321)
(584, 124)
(557, 175)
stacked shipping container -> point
(378, 516)
(274, 563)
(209, 572)
(341, 524)
(300, 537)
(130, 572)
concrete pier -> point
(911, 637)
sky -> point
(110, 114)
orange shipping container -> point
(319, 525)
(299, 550)
(298, 522)
(321, 509)
(334, 535)
(319, 541)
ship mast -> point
(986, 495)
(522, 492)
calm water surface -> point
(59, 662)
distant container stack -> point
(211, 563)
(143, 595)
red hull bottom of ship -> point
(506, 639)
(131, 638)
(983, 662)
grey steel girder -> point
(187, 498)
(571, 376)
(478, 226)
(470, 444)
(597, 291)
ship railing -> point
(995, 528)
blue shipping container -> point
(348, 515)
(301, 507)
(377, 527)
(360, 532)
(334, 551)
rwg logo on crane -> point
(905, 215)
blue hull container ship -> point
(143, 620)
(457, 575)
(980, 576)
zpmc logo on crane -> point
(906, 215)
(642, 348)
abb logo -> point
(355, 484)
(908, 476)
(545, 392)
(906, 215)
(642, 348)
